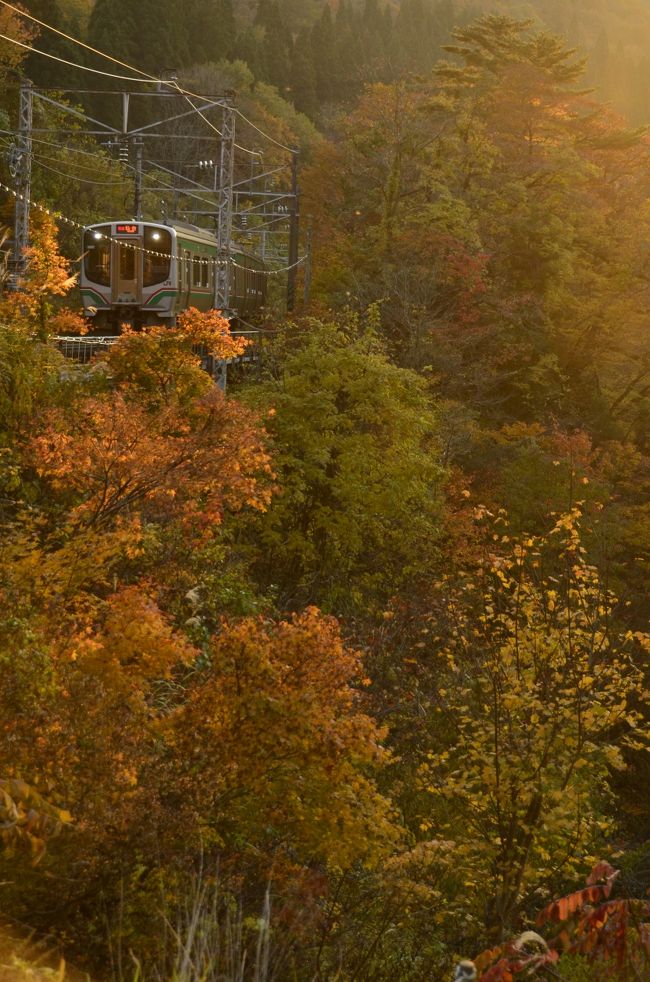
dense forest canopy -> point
(342, 673)
(286, 42)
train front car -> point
(129, 275)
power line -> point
(228, 144)
(76, 177)
(253, 153)
(265, 135)
(87, 167)
(61, 146)
(158, 165)
(151, 252)
(171, 187)
(133, 68)
(74, 163)
(88, 47)
(123, 78)
(72, 64)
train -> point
(147, 273)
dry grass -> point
(23, 958)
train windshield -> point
(97, 255)
(157, 257)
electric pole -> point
(294, 233)
(308, 261)
(137, 197)
(23, 160)
(225, 207)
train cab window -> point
(157, 258)
(97, 255)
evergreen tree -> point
(153, 34)
(164, 23)
(303, 75)
(324, 53)
(300, 13)
(372, 42)
(44, 71)
(276, 46)
(248, 48)
(372, 16)
(112, 27)
(344, 16)
(211, 30)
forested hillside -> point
(320, 52)
(340, 673)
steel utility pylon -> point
(225, 207)
(261, 205)
(22, 164)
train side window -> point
(205, 272)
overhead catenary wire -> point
(68, 37)
(190, 193)
(152, 252)
(104, 159)
(61, 146)
(253, 153)
(123, 78)
(59, 216)
(73, 163)
(266, 136)
(71, 64)
(146, 76)
(97, 155)
(39, 157)
(76, 177)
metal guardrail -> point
(82, 349)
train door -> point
(186, 278)
(127, 271)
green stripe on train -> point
(96, 299)
(157, 297)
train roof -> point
(177, 226)
(185, 228)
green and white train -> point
(145, 273)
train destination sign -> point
(127, 229)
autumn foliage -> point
(608, 934)
(115, 458)
(343, 673)
(47, 276)
(276, 724)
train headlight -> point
(155, 236)
(97, 235)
